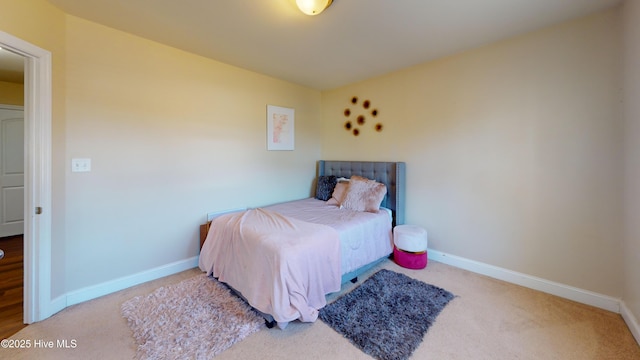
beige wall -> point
(513, 150)
(172, 136)
(632, 156)
(11, 93)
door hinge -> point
(38, 210)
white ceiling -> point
(351, 41)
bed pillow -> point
(325, 186)
(364, 195)
(338, 193)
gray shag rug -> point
(197, 318)
(388, 315)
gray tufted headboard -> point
(392, 174)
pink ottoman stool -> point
(410, 246)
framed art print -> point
(280, 128)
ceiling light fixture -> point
(313, 7)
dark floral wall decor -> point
(359, 115)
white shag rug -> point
(197, 318)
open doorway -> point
(11, 193)
(37, 297)
(11, 206)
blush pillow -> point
(364, 195)
(338, 193)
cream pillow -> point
(364, 195)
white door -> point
(11, 171)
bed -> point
(283, 259)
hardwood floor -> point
(11, 286)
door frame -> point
(37, 173)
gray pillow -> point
(325, 186)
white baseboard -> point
(56, 305)
(532, 282)
(95, 291)
(631, 321)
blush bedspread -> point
(282, 266)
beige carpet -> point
(488, 319)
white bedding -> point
(364, 237)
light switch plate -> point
(80, 165)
